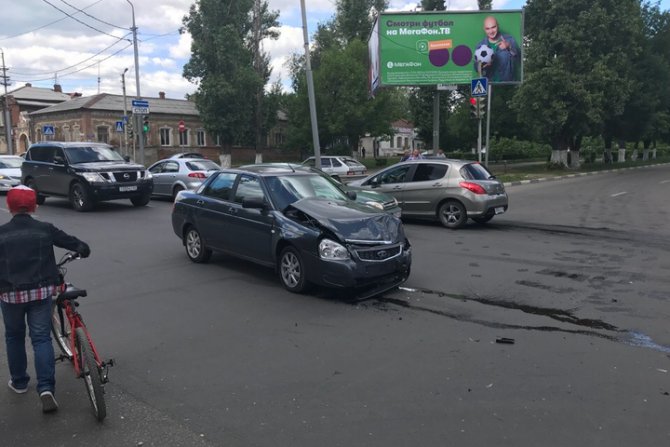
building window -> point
(67, 135)
(183, 138)
(201, 137)
(165, 136)
(391, 143)
(406, 142)
(103, 134)
(399, 141)
(279, 138)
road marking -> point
(665, 181)
(619, 194)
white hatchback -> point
(10, 171)
(338, 165)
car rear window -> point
(204, 165)
(475, 171)
(352, 162)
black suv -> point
(86, 173)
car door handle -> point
(397, 188)
(232, 210)
(200, 202)
(437, 184)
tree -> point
(222, 65)
(577, 70)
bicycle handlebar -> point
(68, 257)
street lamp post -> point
(6, 113)
(125, 112)
(138, 116)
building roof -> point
(403, 123)
(31, 93)
(114, 103)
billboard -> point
(439, 47)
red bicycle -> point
(75, 342)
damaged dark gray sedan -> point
(297, 222)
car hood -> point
(352, 221)
(105, 166)
(11, 172)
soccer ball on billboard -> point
(484, 55)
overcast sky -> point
(88, 51)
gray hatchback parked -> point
(448, 190)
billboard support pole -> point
(488, 123)
(436, 121)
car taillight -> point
(474, 187)
(197, 175)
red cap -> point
(21, 199)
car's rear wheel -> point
(39, 197)
(80, 198)
(292, 271)
(195, 246)
(176, 191)
(452, 214)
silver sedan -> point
(174, 175)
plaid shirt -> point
(24, 296)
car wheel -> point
(452, 214)
(195, 246)
(80, 198)
(483, 219)
(176, 191)
(292, 271)
(39, 197)
(141, 200)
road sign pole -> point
(488, 123)
(479, 139)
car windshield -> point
(288, 189)
(10, 162)
(202, 165)
(476, 171)
(91, 154)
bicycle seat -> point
(71, 293)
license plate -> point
(499, 209)
(127, 188)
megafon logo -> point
(389, 65)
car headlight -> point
(332, 251)
(375, 204)
(93, 177)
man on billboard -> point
(497, 54)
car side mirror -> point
(254, 202)
(375, 182)
(126, 157)
(351, 195)
(59, 160)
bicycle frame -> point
(67, 306)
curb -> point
(581, 174)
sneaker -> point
(15, 389)
(49, 403)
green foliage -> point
(512, 149)
(226, 66)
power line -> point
(37, 73)
(44, 26)
(77, 71)
(94, 18)
(77, 20)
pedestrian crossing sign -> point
(48, 130)
(478, 87)
(119, 126)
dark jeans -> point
(38, 316)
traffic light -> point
(474, 108)
(145, 124)
(129, 129)
(477, 108)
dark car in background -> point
(85, 173)
(450, 191)
(297, 222)
(176, 174)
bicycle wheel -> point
(91, 375)
(61, 330)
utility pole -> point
(310, 90)
(125, 112)
(5, 110)
(138, 116)
(258, 62)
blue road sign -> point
(119, 126)
(478, 87)
(48, 130)
(140, 103)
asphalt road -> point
(576, 275)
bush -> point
(512, 149)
